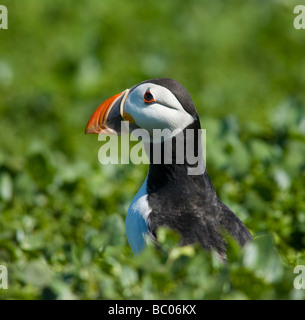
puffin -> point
(177, 192)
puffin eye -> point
(148, 97)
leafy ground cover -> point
(62, 214)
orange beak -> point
(108, 116)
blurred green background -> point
(62, 214)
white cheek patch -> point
(165, 113)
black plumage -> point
(188, 203)
(171, 196)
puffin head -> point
(152, 104)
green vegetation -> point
(62, 233)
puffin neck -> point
(174, 162)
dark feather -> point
(189, 205)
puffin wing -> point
(231, 223)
